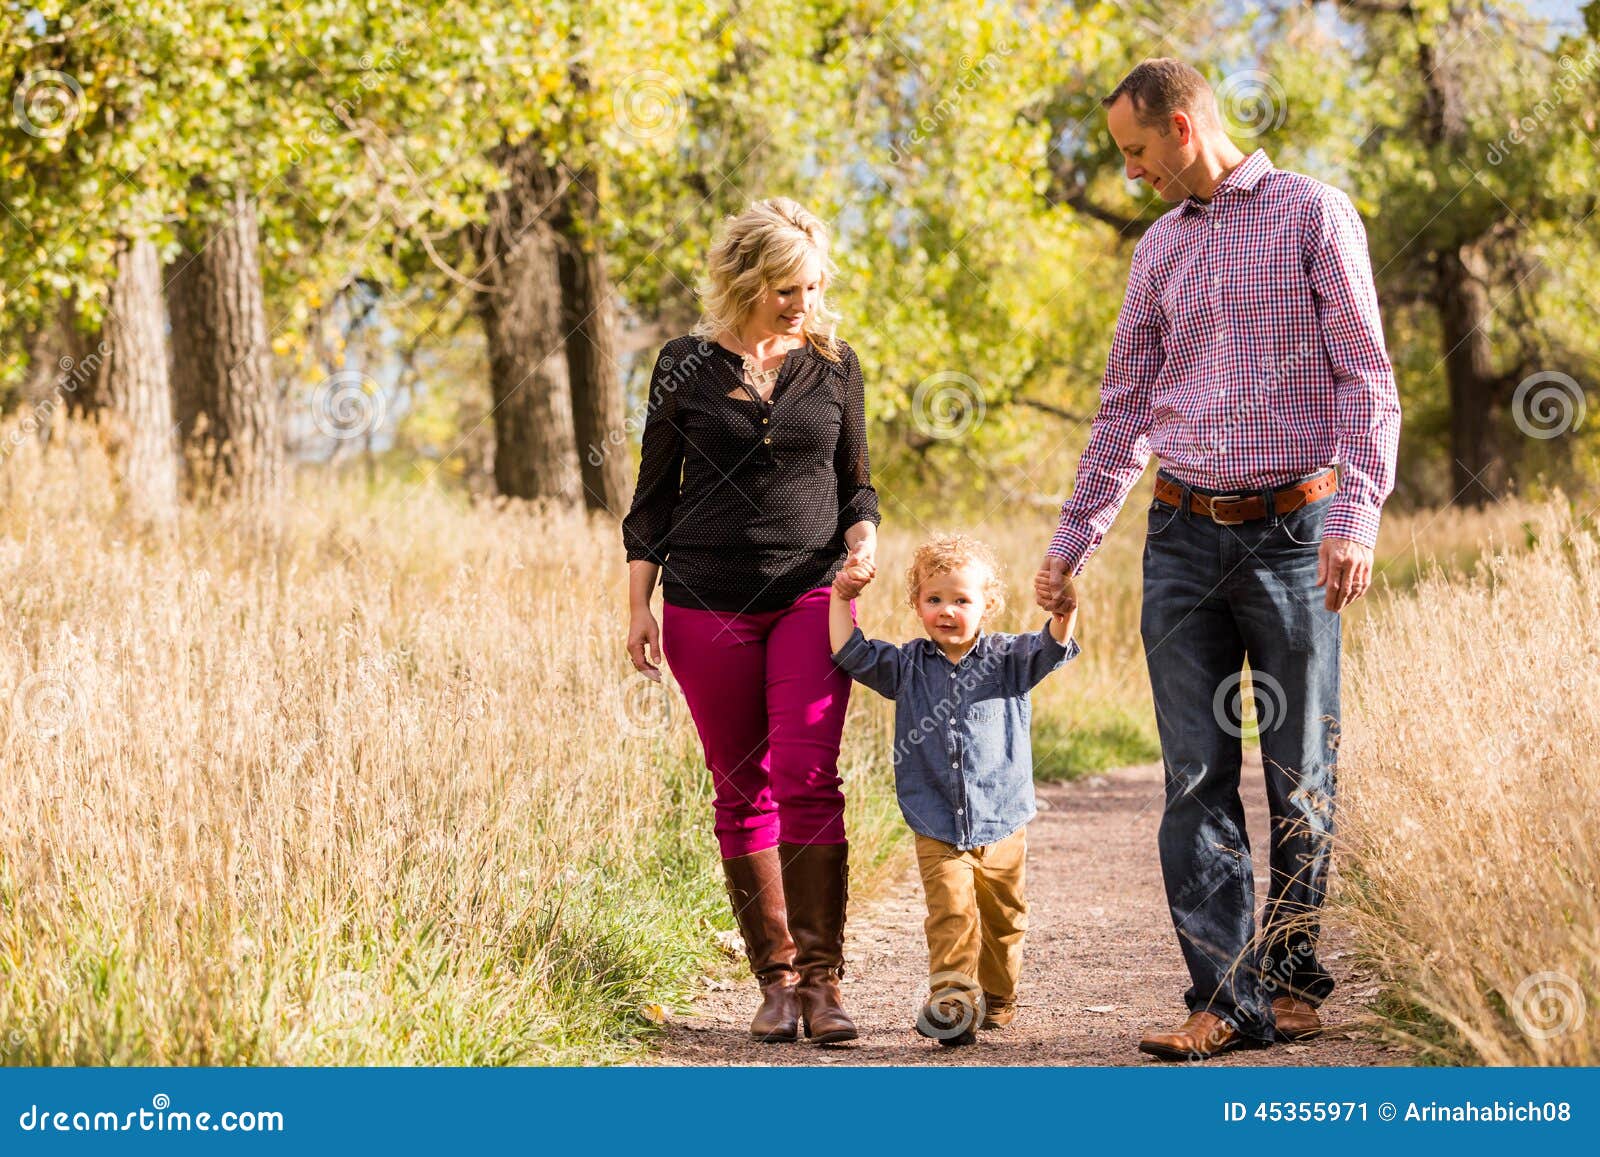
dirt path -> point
(1100, 938)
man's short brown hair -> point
(1160, 87)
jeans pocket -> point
(1161, 516)
(1303, 527)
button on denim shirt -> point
(963, 762)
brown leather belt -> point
(1232, 509)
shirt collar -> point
(977, 644)
(1245, 178)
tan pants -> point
(977, 915)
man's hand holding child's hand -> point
(1062, 626)
(853, 578)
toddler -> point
(963, 767)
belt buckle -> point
(1216, 498)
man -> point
(1249, 356)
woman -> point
(753, 486)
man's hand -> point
(1053, 588)
(1346, 568)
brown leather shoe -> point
(1203, 1036)
(816, 887)
(997, 1012)
(1296, 1020)
(755, 889)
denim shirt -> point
(963, 763)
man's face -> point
(1162, 158)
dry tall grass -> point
(1469, 796)
(376, 784)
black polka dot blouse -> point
(743, 502)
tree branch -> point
(1050, 408)
(1127, 226)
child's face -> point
(951, 604)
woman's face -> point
(783, 310)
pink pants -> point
(769, 705)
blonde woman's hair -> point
(947, 552)
(759, 248)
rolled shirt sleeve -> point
(1366, 403)
(1119, 437)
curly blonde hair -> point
(759, 248)
(947, 552)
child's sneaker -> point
(998, 1013)
(949, 1020)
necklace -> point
(762, 380)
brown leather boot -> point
(755, 888)
(1296, 1019)
(816, 887)
(1203, 1036)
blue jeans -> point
(1214, 596)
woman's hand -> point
(644, 643)
(862, 541)
(853, 577)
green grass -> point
(1064, 752)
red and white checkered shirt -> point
(1249, 353)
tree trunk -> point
(227, 404)
(589, 320)
(189, 355)
(535, 447)
(135, 391)
(1462, 299)
(1461, 296)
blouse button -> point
(768, 441)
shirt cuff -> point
(1068, 650)
(1072, 546)
(854, 513)
(1357, 522)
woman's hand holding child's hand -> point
(853, 578)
